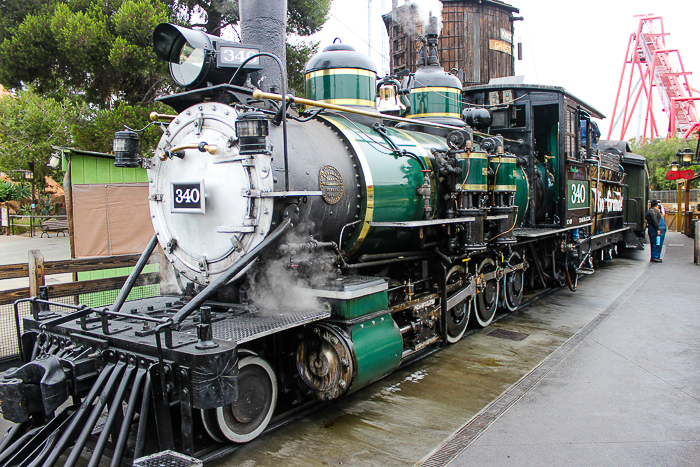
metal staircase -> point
(659, 67)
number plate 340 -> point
(188, 197)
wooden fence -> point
(36, 270)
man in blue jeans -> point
(656, 227)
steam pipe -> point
(258, 94)
(229, 274)
(379, 256)
(128, 418)
(94, 415)
(115, 407)
(383, 262)
(143, 420)
(131, 280)
(78, 417)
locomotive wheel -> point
(487, 299)
(211, 425)
(247, 417)
(458, 315)
(513, 284)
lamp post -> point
(683, 160)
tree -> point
(95, 131)
(101, 52)
(297, 56)
(90, 50)
(304, 17)
(29, 126)
(659, 154)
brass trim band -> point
(436, 89)
(446, 114)
(505, 188)
(341, 71)
(369, 185)
(363, 102)
(472, 155)
(472, 187)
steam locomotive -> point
(318, 250)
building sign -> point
(501, 46)
(506, 36)
(577, 194)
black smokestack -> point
(428, 53)
(264, 23)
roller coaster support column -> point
(688, 213)
(696, 250)
(679, 212)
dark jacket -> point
(653, 217)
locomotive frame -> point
(423, 225)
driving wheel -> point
(458, 315)
(487, 298)
(249, 415)
(513, 284)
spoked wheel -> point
(487, 299)
(513, 284)
(248, 416)
(458, 315)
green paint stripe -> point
(340, 87)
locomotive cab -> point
(558, 164)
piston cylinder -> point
(472, 237)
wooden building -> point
(476, 38)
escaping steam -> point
(283, 284)
(417, 13)
(426, 8)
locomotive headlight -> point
(252, 130)
(126, 148)
(197, 58)
(189, 52)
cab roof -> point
(533, 88)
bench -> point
(53, 225)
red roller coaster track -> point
(655, 66)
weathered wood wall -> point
(468, 27)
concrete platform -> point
(628, 394)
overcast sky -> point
(577, 45)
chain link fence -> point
(93, 293)
(671, 196)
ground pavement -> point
(14, 249)
(626, 394)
